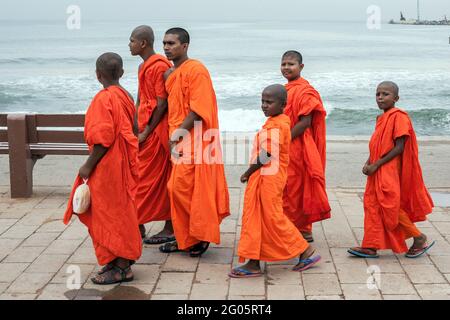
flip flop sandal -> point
(307, 263)
(109, 278)
(362, 254)
(244, 273)
(158, 239)
(198, 249)
(415, 253)
(169, 247)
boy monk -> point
(267, 233)
(112, 172)
(305, 199)
(197, 187)
(152, 198)
(395, 195)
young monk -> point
(267, 233)
(395, 195)
(152, 198)
(305, 199)
(112, 172)
(197, 187)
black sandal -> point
(109, 276)
(198, 249)
(169, 247)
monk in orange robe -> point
(305, 199)
(112, 173)
(267, 233)
(197, 187)
(395, 196)
(152, 198)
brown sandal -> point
(109, 277)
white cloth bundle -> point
(81, 198)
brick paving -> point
(38, 253)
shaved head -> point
(144, 33)
(110, 65)
(182, 34)
(278, 91)
(293, 54)
(392, 85)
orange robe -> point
(395, 195)
(305, 199)
(198, 190)
(112, 217)
(152, 198)
(267, 234)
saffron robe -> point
(152, 198)
(267, 234)
(395, 195)
(197, 187)
(112, 217)
(305, 199)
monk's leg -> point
(165, 235)
(306, 231)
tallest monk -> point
(152, 198)
(197, 187)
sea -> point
(46, 67)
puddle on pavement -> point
(441, 199)
(116, 293)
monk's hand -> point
(144, 134)
(371, 169)
(244, 178)
(173, 149)
(85, 171)
(364, 169)
(142, 137)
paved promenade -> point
(38, 253)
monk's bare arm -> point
(97, 153)
(300, 127)
(261, 160)
(155, 119)
(395, 151)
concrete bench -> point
(30, 137)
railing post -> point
(20, 160)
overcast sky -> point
(334, 10)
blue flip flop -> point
(246, 273)
(307, 263)
(418, 252)
(362, 255)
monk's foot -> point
(363, 252)
(114, 275)
(169, 247)
(419, 247)
(248, 270)
(308, 236)
(419, 242)
(161, 237)
(307, 259)
(198, 249)
(142, 230)
(106, 268)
